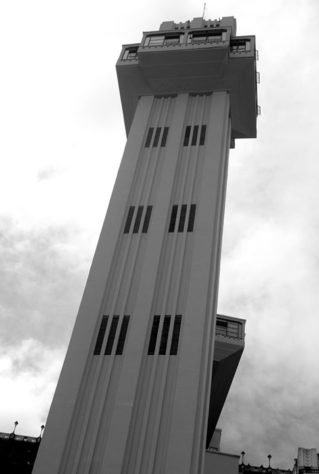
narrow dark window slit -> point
(164, 337)
(156, 138)
(175, 336)
(138, 219)
(202, 135)
(149, 137)
(187, 135)
(100, 336)
(164, 136)
(153, 336)
(173, 218)
(122, 335)
(191, 218)
(147, 219)
(182, 218)
(194, 137)
(129, 219)
(112, 333)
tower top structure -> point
(200, 22)
(197, 56)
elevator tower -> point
(134, 395)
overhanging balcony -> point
(229, 346)
(229, 336)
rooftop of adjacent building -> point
(248, 469)
(18, 452)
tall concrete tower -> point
(134, 395)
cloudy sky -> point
(62, 136)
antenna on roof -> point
(204, 9)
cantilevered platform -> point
(193, 57)
(229, 346)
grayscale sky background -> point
(62, 136)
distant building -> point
(18, 452)
(306, 461)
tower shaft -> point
(134, 391)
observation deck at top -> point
(198, 56)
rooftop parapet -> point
(226, 21)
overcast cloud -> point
(62, 136)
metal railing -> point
(240, 46)
(205, 39)
(229, 328)
(130, 54)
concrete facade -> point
(221, 463)
(134, 394)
